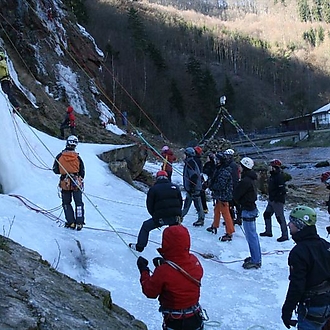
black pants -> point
(150, 225)
(72, 130)
(78, 216)
(194, 322)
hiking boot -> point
(251, 265)
(70, 225)
(282, 239)
(248, 259)
(212, 230)
(226, 238)
(135, 247)
(265, 234)
(79, 226)
(199, 223)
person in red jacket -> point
(69, 122)
(176, 281)
(168, 159)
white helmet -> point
(165, 148)
(247, 162)
(72, 141)
(229, 152)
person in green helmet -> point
(6, 82)
(309, 262)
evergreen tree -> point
(176, 99)
(304, 11)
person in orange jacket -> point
(68, 122)
(169, 158)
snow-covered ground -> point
(234, 298)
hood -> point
(175, 243)
(249, 173)
(307, 233)
(70, 109)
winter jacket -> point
(56, 167)
(221, 184)
(309, 263)
(169, 159)
(198, 161)
(164, 200)
(69, 120)
(4, 69)
(174, 289)
(234, 172)
(245, 193)
(276, 186)
(192, 181)
(209, 168)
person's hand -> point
(142, 264)
(196, 194)
(288, 322)
(158, 261)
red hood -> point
(175, 243)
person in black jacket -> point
(309, 263)
(164, 203)
(276, 200)
(245, 195)
(192, 184)
(71, 167)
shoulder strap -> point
(183, 272)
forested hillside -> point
(174, 59)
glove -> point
(158, 261)
(142, 264)
(290, 323)
(286, 318)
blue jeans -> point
(249, 225)
(319, 316)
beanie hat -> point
(70, 109)
(298, 223)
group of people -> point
(177, 275)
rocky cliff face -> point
(35, 296)
(57, 64)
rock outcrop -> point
(34, 296)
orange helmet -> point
(161, 173)
(276, 162)
(198, 150)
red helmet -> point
(198, 150)
(325, 176)
(276, 162)
(70, 109)
(161, 173)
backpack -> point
(69, 162)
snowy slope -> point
(233, 297)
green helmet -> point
(303, 214)
(2, 54)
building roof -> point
(325, 108)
